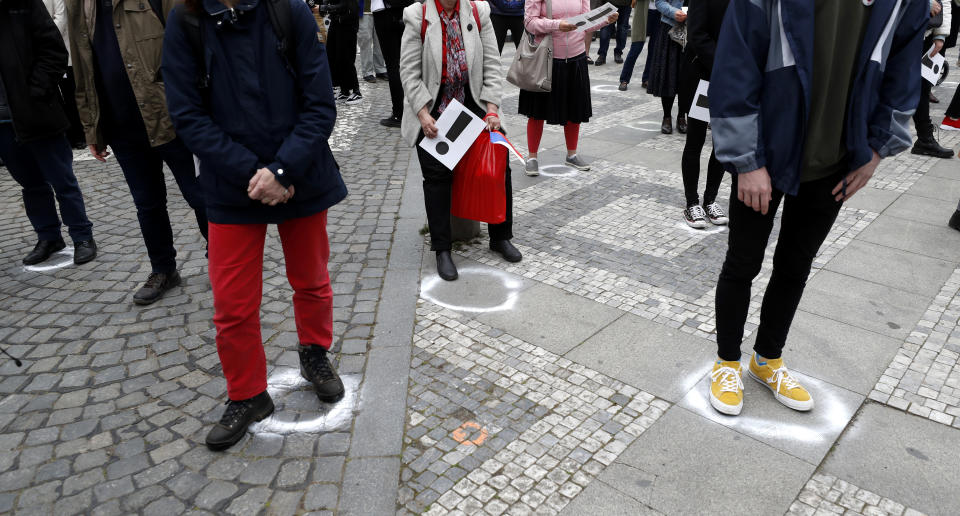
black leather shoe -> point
(618, 57)
(930, 147)
(955, 220)
(383, 76)
(507, 250)
(369, 78)
(601, 60)
(43, 250)
(667, 126)
(84, 251)
(238, 416)
(316, 368)
(392, 121)
(156, 286)
(682, 124)
(934, 99)
(589, 60)
(623, 86)
(445, 266)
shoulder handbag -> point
(532, 67)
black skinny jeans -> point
(806, 222)
(437, 194)
(696, 138)
(389, 26)
(501, 24)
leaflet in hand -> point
(701, 102)
(592, 18)
(457, 129)
(931, 67)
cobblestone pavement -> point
(569, 383)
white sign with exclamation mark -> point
(457, 129)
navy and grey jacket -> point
(760, 94)
(260, 110)
(506, 7)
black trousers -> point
(690, 165)
(342, 52)
(921, 117)
(437, 193)
(68, 87)
(806, 222)
(142, 167)
(500, 25)
(389, 26)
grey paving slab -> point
(922, 209)
(830, 350)
(907, 458)
(937, 240)
(805, 435)
(872, 199)
(655, 357)
(910, 272)
(594, 147)
(602, 500)
(686, 464)
(945, 168)
(942, 188)
(378, 430)
(857, 302)
(551, 318)
(369, 486)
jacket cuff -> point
(280, 174)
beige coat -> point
(140, 35)
(420, 63)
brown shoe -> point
(667, 126)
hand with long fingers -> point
(856, 180)
(754, 189)
(264, 187)
(99, 155)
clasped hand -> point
(265, 188)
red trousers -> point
(236, 275)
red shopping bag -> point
(479, 187)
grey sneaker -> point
(533, 168)
(577, 163)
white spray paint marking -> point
(437, 291)
(284, 382)
(58, 261)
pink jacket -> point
(565, 44)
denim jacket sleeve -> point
(668, 10)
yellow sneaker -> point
(786, 389)
(726, 388)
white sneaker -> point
(695, 217)
(533, 168)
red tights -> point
(571, 132)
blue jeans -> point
(653, 31)
(142, 167)
(44, 168)
(623, 30)
(635, 48)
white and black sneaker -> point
(355, 98)
(716, 215)
(342, 97)
(695, 217)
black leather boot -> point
(507, 250)
(929, 147)
(156, 286)
(238, 416)
(43, 250)
(315, 367)
(445, 266)
(682, 124)
(955, 220)
(84, 252)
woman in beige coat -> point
(449, 52)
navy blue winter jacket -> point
(506, 7)
(257, 111)
(760, 93)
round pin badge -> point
(868, 3)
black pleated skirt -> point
(569, 100)
(665, 60)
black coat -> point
(704, 19)
(32, 61)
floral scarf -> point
(455, 73)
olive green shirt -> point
(838, 31)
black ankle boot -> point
(238, 416)
(929, 147)
(955, 220)
(507, 250)
(315, 367)
(445, 266)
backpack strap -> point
(193, 30)
(423, 20)
(281, 19)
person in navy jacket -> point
(259, 124)
(807, 97)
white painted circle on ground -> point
(643, 125)
(709, 230)
(501, 289)
(558, 171)
(605, 88)
(286, 381)
(55, 262)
